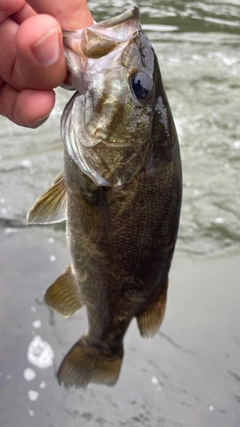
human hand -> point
(32, 59)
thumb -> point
(40, 62)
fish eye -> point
(141, 85)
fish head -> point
(106, 127)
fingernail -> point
(46, 50)
(39, 122)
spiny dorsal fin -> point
(51, 206)
(150, 320)
(64, 295)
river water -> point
(189, 375)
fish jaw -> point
(85, 47)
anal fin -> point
(150, 320)
(64, 295)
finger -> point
(24, 13)
(37, 61)
(29, 108)
(40, 55)
(71, 14)
(8, 7)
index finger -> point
(10, 7)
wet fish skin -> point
(122, 176)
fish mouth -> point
(99, 40)
(99, 48)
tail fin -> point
(85, 364)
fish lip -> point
(132, 13)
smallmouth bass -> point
(120, 195)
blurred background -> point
(189, 374)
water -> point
(189, 374)
(197, 45)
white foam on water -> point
(9, 230)
(221, 21)
(236, 145)
(29, 374)
(52, 258)
(159, 27)
(26, 163)
(219, 220)
(37, 324)
(40, 353)
(154, 380)
(42, 385)
(50, 240)
(33, 395)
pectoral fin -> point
(96, 218)
(150, 320)
(64, 295)
(51, 206)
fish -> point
(120, 194)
